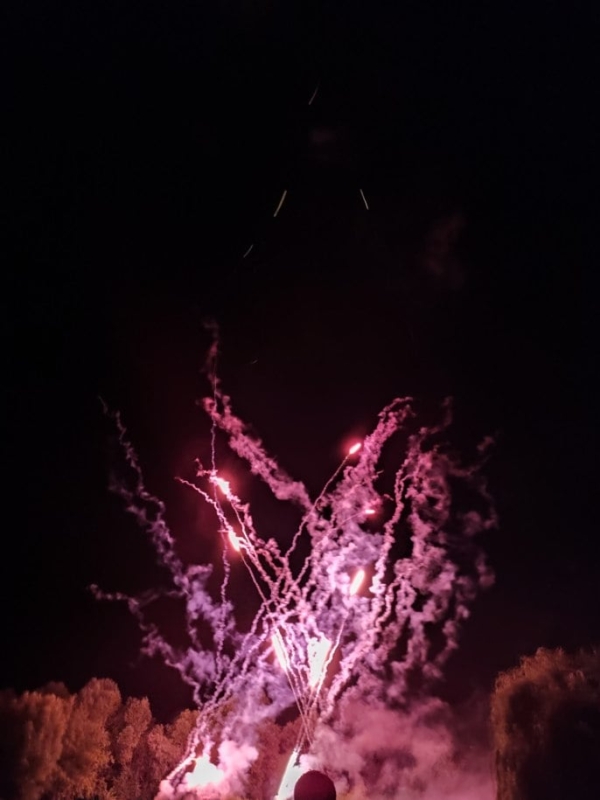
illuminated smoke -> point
(370, 615)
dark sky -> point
(148, 147)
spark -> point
(234, 540)
(281, 202)
(355, 448)
(357, 582)
(248, 251)
(317, 651)
(279, 650)
(223, 485)
(314, 94)
(362, 194)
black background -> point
(147, 148)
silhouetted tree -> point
(546, 721)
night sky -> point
(149, 146)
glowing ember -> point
(317, 652)
(234, 540)
(279, 650)
(307, 613)
(357, 582)
(223, 485)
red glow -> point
(223, 485)
(355, 448)
(234, 541)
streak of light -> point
(222, 484)
(362, 194)
(281, 202)
(234, 540)
(279, 649)
(370, 511)
(292, 773)
(357, 582)
(248, 251)
(317, 656)
(355, 448)
(314, 94)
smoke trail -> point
(368, 617)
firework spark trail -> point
(350, 621)
(314, 94)
(281, 202)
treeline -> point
(54, 744)
(93, 745)
(546, 723)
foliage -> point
(32, 733)
(58, 746)
(86, 751)
(546, 721)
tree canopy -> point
(546, 722)
(90, 744)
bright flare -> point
(234, 540)
(279, 649)
(318, 650)
(204, 774)
(222, 484)
(357, 582)
(355, 448)
(293, 772)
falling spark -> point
(279, 650)
(362, 194)
(318, 650)
(357, 582)
(281, 202)
(234, 540)
(314, 94)
(223, 485)
(248, 251)
(305, 617)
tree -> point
(86, 752)
(127, 729)
(274, 744)
(32, 733)
(546, 725)
(161, 748)
(86, 746)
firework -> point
(351, 619)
